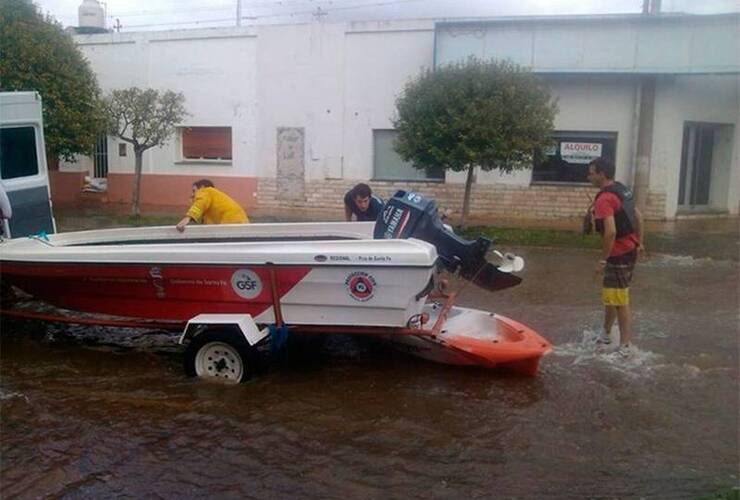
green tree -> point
(487, 114)
(36, 54)
(145, 118)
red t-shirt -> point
(607, 204)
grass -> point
(533, 237)
(71, 221)
(722, 244)
(147, 220)
(729, 494)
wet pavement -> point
(90, 412)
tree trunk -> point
(135, 210)
(466, 198)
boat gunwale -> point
(351, 264)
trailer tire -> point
(220, 355)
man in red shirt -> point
(620, 225)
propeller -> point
(510, 263)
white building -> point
(290, 116)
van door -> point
(25, 179)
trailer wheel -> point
(220, 356)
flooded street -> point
(91, 412)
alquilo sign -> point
(580, 152)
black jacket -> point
(624, 218)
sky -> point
(139, 15)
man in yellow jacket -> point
(211, 206)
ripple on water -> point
(635, 362)
(7, 395)
(665, 260)
(127, 338)
(638, 363)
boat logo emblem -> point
(361, 286)
(246, 283)
(320, 258)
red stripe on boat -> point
(172, 291)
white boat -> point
(327, 273)
(353, 277)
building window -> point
(121, 149)
(100, 157)
(18, 157)
(567, 158)
(388, 166)
(206, 143)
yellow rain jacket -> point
(211, 206)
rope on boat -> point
(41, 237)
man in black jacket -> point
(362, 203)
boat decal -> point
(360, 285)
(157, 282)
(246, 283)
(320, 258)
(374, 258)
(396, 220)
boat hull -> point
(307, 295)
(323, 273)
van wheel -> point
(220, 356)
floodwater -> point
(90, 412)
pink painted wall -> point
(65, 186)
(173, 190)
(156, 190)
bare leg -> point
(610, 314)
(625, 324)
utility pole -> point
(320, 13)
(238, 12)
(645, 125)
(651, 6)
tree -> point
(145, 118)
(36, 54)
(489, 114)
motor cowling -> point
(411, 215)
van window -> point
(18, 152)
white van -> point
(23, 170)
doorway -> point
(706, 159)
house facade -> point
(288, 117)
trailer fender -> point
(241, 323)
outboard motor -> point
(411, 215)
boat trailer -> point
(223, 346)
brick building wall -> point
(488, 201)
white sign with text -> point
(580, 152)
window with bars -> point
(206, 143)
(100, 157)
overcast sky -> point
(138, 15)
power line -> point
(275, 4)
(169, 11)
(322, 11)
(203, 21)
(329, 10)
